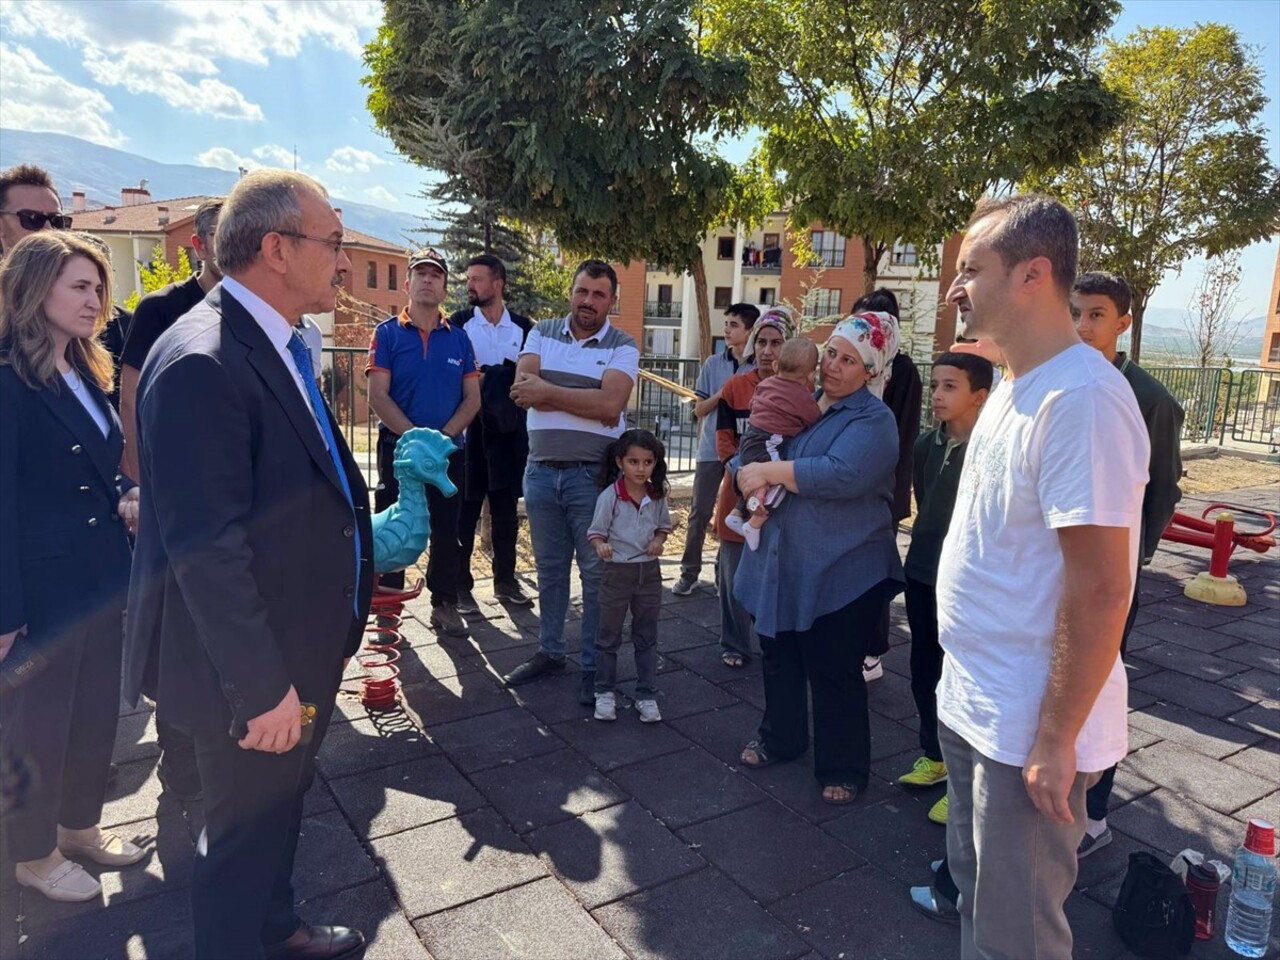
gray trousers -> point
(735, 623)
(637, 587)
(1014, 868)
(706, 487)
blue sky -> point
(241, 83)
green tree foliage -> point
(537, 283)
(888, 121)
(589, 119)
(159, 273)
(1186, 172)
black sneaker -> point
(587, 688)
(511, 593)
(535, 667)
(466, 603)
(445, 620)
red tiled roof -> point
(145, 218)
(140, 218)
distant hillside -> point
(1164, 335)
(101, 171)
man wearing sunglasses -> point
(28, 203)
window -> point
(771, 240)
(371, 275)
(724, 248)
(662, 342)
(1274, 355)
(724, 297)
(904, 255)
(821, 302)
(828, 246)
(768, 295)
(391, 276)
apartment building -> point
(656, 304)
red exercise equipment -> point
(1220, 536)
(381, 689)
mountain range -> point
(101, 172)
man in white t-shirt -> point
(1033, 586)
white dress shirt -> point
(278, 331)
(494, 343)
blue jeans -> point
(559, 504)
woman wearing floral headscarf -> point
(827, 564)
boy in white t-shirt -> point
(1033, 586)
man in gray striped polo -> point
(574, 376)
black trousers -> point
(1098, 797)
(926, 662)
(825, 660)
(504, 521)
(242, 881)
(57, 732)
(444, 558)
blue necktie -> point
(302, 360)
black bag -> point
(1153, 913)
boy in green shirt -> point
(959, 384)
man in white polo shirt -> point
(574, 376)
(1033, 585)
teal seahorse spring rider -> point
(401, 531)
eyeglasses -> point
(35, 220)
(334, 245)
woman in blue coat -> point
(65, 513)
(827, 565)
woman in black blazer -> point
(65, 514)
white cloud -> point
(224, 158)
(382, 195)
(33, 97)
(275, 155)
(353, 160)
(171, 48)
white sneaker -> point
(649, 712)
(606, 706)
(751, 535)
(872, 669)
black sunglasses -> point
(34, 220)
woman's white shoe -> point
(67, 882)
(111, 850)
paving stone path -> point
(481, 822)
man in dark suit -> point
(253, 570)
(497, 441)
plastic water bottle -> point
(1253, 887)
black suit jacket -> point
(244, 575)
(497, 444)
(64, 552)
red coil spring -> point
(380, 690)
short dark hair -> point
(1106, 285)
(207, 217)
(495, 265)
(980, 371)
(595, 269)
(883, 300)
(25, 175)
(748, 313)
(1033, 225)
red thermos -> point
(1202, 885)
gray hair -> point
(96, 240)
(1033, 225)
(207, 216)
(262, 202)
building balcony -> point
(659, 310)
(762, 269)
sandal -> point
(731, 659)
(851, 793)
(762, 758)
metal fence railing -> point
(1240, 406)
